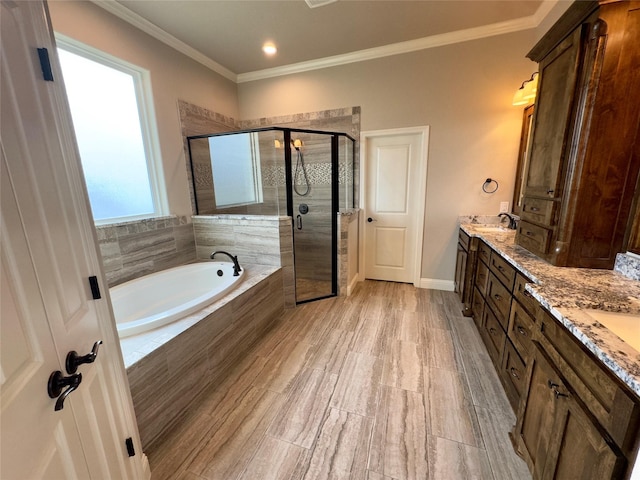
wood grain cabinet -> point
(465, 270)
(557, 436)
(575, 420)
(585, 146)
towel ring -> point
(487, 183)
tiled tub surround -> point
(134, 249)
(567, 292)
(255, 239)
(168, 367)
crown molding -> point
(433, 41)
(158, 33)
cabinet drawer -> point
(493, 335)
(513, 372)
(482, 278)
(525, 298)
(538, 210)
(500, 300)
(533, 238)
(503, 270)
(484, 252)
(520, 331)
(463, 239)
(609, 402)
(477, 307)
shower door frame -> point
(335, 187)
(335, 197)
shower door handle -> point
(299, 222)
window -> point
(117, 140)
(235, 162)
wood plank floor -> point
(389, 383)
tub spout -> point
(234, 259)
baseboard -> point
(437, 284)
(352, 284)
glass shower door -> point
(313, 213)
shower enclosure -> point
(304, 174)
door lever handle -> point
(74, 360)
(57, 381)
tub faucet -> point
(234, 259)
(512, 220)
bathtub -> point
(160, 298)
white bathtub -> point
(160, 298)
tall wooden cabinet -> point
(585, 151)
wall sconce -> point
(527, 91)
(297, 143)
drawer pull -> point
(528, 234)
(497, 297)
(521, 331)
(492, 331)
(500, 268)
(514, 373)
(534, 209)
(526, 293)
(556, 392)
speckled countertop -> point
(567, 292)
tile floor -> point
(389, 383)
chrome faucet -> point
(512, 220)
(234, 259)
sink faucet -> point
(512, 220)
(234, 259)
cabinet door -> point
(461, 268)
(559, 438)
(578, 449)
(553, 117)
(535, 425)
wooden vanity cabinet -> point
(465, 270)
(556, 435)
(575, 420)
(585, 147)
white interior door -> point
(48, 254)
(394, 193)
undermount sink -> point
(488, 229)
(624, 325)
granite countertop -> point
(568, 292)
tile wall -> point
(255, 239)
(166, 381)
(134, 249)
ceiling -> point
(228, 34)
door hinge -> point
(129, 443)
(95, 288)
(45, 64)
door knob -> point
(371, 220)
(74, 360)
(57, 381)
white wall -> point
(462, 91)
(173, 76)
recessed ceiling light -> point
(269, 49)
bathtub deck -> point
(390, 383)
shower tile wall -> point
(255, 239)
(134, 249)
(346, 120)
